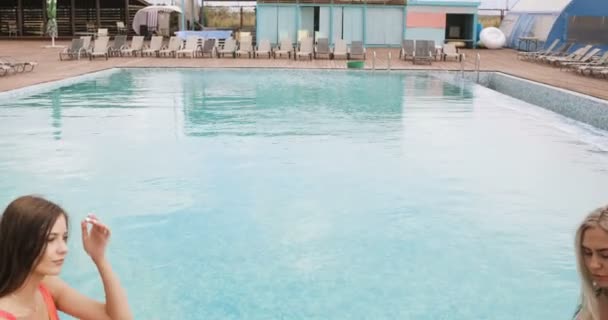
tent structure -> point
(531, 18)
(584, 22)
(154, 18)
(191, 11)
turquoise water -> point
(253, 194)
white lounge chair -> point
(155, 46)
(74, 51)
(450, 51)
(245, 47)
(137, 44)
(229, 48)
(285, 48)
(264, 48)
(357, 49)
(189, 48)
(174, 44)
(340, 49)
(306, 48)
(100, 48)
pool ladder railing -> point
(462, 68)
(374, 60)
(477, 65)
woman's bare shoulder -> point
(54, 284)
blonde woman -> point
(592, 261)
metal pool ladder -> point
(462, 69)
(477, 65)
(374, 61)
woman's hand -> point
(96, 239)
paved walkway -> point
(51, 68)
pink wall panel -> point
(426, 20)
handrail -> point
(477, 65)
(461, 68)
(374, 61)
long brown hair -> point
(24, 229)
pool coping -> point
(571, 104)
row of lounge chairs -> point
(585, 60)
(13, 65)
(424, 51)
(195, 47)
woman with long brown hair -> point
(33, 246)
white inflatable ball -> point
(492, 38)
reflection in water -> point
(56, 114)
(220, 103)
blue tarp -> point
(206, 34)
(582, 8)
(524, 27)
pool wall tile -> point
(583, 108)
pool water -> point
(276, 194)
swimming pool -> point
(284, 194)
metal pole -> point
(20, 17)
(127, 17)
(44, 14)
(98, 13)
(73, 15)
(183, 15)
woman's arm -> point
(77, 305)
(117, 306)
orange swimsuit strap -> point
(49, 302)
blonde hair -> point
(589, 308)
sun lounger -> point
(264, 48)
(575, 56)
(450, 51)
(285, 48)
(189, 49)
(584, 59)
(306, 48)
(74, 51)
(422, 52)
(171, 50)
(245, 47)
(100, 48)
(407, 49)
(322, 49)
(340, 49)
(119, 43)
(357, 49)
(208, 48)
(154, 48)
(229, 48)
(528, 55)
(137, 44)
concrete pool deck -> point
(50, 68)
